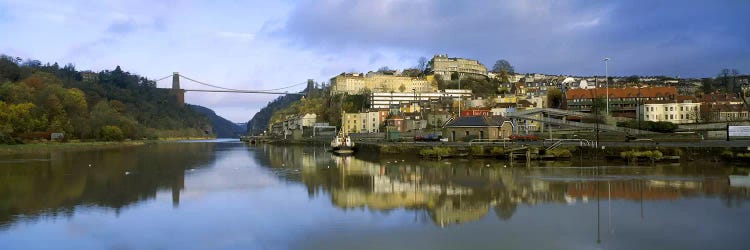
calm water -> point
(226, 195)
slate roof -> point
(476, 121)
(622, 92)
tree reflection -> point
(57, 183)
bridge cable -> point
(218, 87)
(163, 78)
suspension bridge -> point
(180, 93)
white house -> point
(674, 112)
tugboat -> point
(342, 145)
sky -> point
(259, 45)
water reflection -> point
(56, 184)
(452, 192)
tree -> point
(707, 85)
(632, 79)
(501, 65)
(111, 133)
(402, 88)
(422, 64)
(9, 70)
(455, 76)
(384, 70)
(16, 118)
(411, 72)
(554, 98)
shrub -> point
(497, 151)
(476, 150)
(663, 127)
(387, 149)
(560, 152)
(727, 154)
(438, 152)
(111, 133)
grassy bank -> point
(185, 138)
(45, 147)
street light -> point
(606, 79)
(460, 96)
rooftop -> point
(476, 121)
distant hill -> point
(221, 127)
(242, 125)
(259, 122)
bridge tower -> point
(175, 80)
(176, 90)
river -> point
(224, 194)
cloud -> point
(122, 26)
(585, 24)
(238, 36)
(535, 35)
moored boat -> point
(342, 144)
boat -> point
(342, 144)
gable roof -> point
(476, 121)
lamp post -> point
(460, 96)
(606, 81)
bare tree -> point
(422, 63)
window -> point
(671, 108)
(671, 117)
(665, 109)
(680, 108)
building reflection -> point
(55, 184)
(455, 192)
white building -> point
(384, 100)
(675, 112)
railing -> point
(557, 142)
(503, 142)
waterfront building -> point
(445, 66)
(466, 128)
(622, 101)
(396, 123)
(292, 125)
(363, 122)
(678, 112)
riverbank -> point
(46, 147)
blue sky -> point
(268, 44)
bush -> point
(388, 149)
(438, 152)
(6, 139)
(111, 133)
(662, 127)
(634, 155)
(497, 151)
(727, 154)
(476, 150)
(560, 152)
